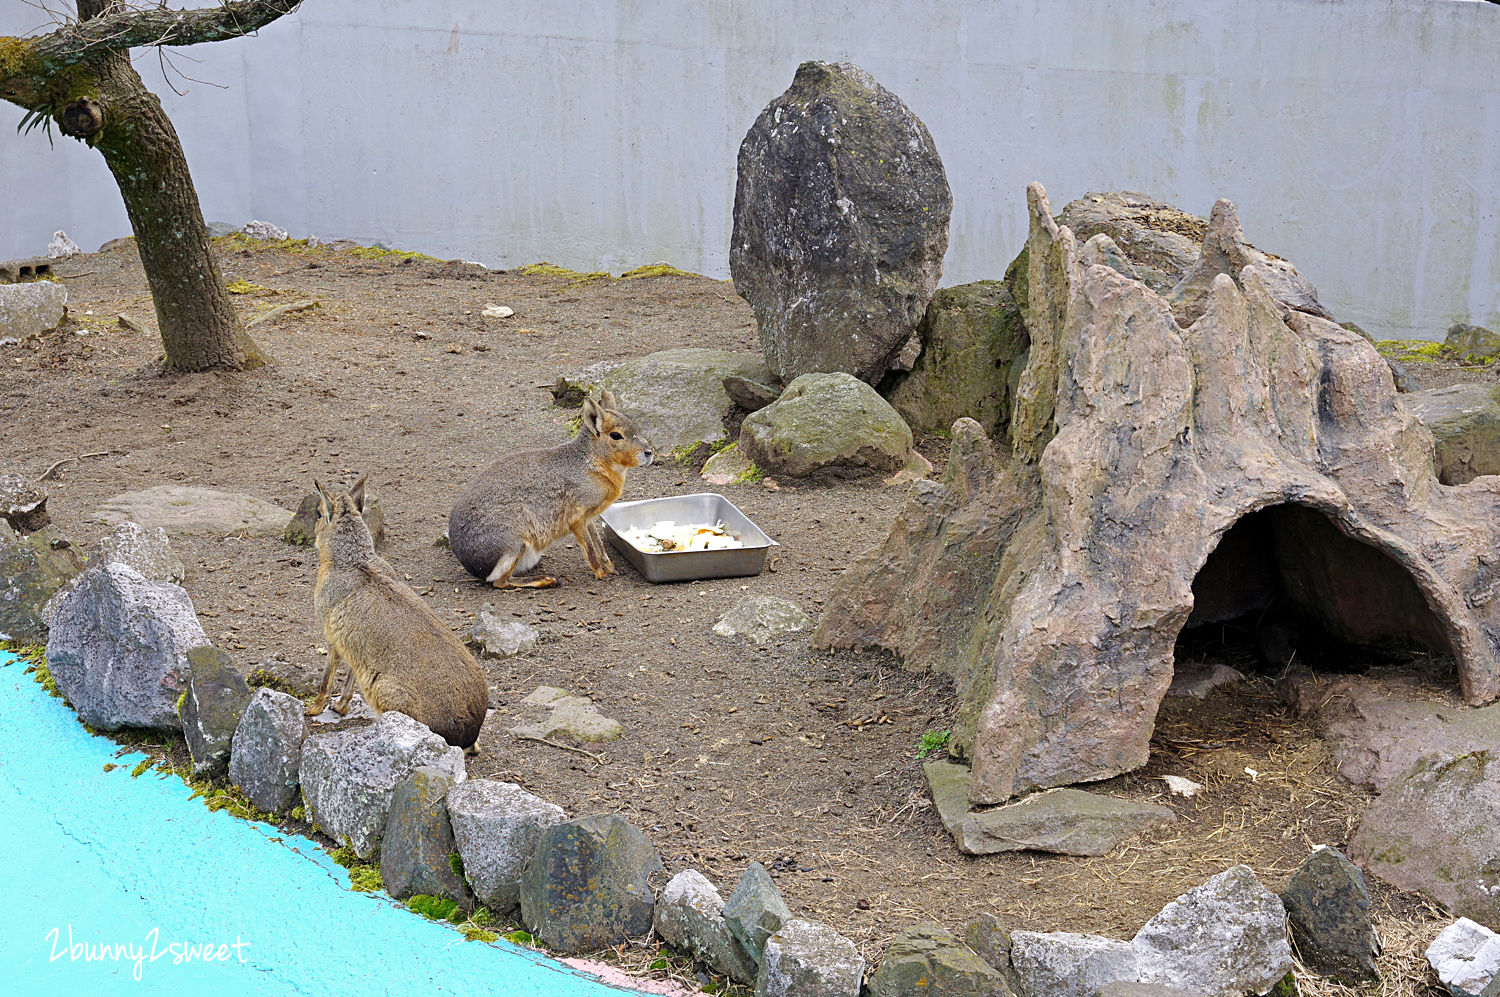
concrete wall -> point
(1359, 138)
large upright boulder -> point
(118, 648)
(1144, 431)
(840, 225)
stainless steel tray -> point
(684, 565)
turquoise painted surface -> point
(120, 885)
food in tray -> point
(671, 537)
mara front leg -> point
(593, 548)
(321, 699)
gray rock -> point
(1405, 383)
(827, 425)
(184, 510)
(1057, 583)
(302, 527)
(61, 247)
(349, 776)
(1226, 938)
(23, 504)
(991, 941)
(497, 638)
(1376, 736)
(1464, 420)
(1064, 821)
(1159, 241)
(1466, 958)
(146, 549)
(118, 648)
(807, 959)
(567, 716)
(1436, 831)
(727, 467)
(677, 396)
(266, 755)
(1141, 990)
(948, 781)
(33, 569)
(28, 310)
(970, 335)
(417, 851)
(762, 618)
(1328, 909)
(496, 826)
(1066, 964)
(837, 260)
(1472, 342)
(256, 229)
(752, 396)
(755, 911)
(211, 709)
(927, 959)
(1102, 251)
(690, 917)
(587, 885)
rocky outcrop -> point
(1144, 432)
(496, 826)
(350, 776)
(118, 648)
(1328, 911)
(1464, 420)
(827, 426)
(1434, 831)
(840, 224)
(266, 754)
(33, 569)
(690, 917)
(587, 886)
(1159, 241)
(972, 336)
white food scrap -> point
(669, 536)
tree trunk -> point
(199, 328)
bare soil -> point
(731, 751)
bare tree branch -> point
(116, 28)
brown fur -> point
(402, 656)
(522, 504)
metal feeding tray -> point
(706, 508)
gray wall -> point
(1359, 138)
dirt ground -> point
(731, 752)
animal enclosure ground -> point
(731, 751)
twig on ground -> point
(99, 453)
(565, 747)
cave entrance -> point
(1286, 587)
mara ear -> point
(357, 493)
(325, 501)
(593, 418)
(607, 400)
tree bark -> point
(81, 77)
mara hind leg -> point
(587, 534)
(342, 706)
(522, 560)
(321, 699)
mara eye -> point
(616, 436)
